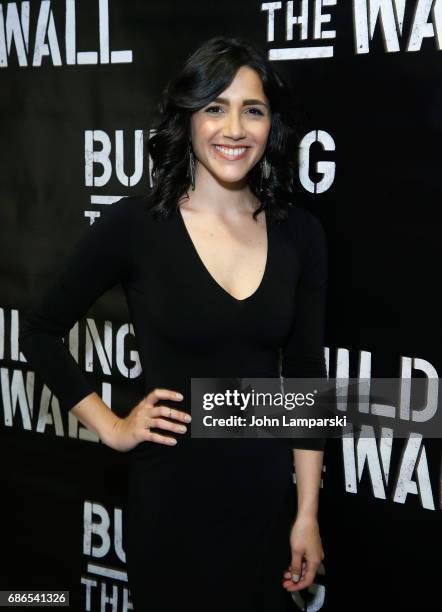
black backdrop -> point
(370, 95)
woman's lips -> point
(231, 153)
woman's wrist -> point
(109, 433)
(307, 514)
(94, 414)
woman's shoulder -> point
(126, 213)
(309, 240)
(127, 207)
(304, 225)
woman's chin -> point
(230, 178)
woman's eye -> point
(212, 108)
(257, 111)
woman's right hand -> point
(129, 431)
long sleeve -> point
(99, 260)
(303, 353)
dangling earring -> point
(191, 167)
(265, 170)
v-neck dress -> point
(207, 521)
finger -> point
(288, 573)
(152, 436)
(161, 393)
(171, 413)
(291, 585)
(296, 566)
(288, 582)
(169, 425)
(306, 580)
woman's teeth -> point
(235, 153)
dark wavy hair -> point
(205, 74)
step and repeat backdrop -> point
(79, 85)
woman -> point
(223, 278)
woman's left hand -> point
(307, 553)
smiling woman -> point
(224, 159)
(224, 279)
(226, 99)
(234, 129)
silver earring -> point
(265, 166)
(191, 168)
(265, 170)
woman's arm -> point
(100, 260)
(303, 357)
(308, 468)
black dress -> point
(207, 522)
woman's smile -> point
(231, 153)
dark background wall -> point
(370, 100)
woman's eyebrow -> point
(245, 102)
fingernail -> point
(295, 577)
(188, 418)
(179, 396)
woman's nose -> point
(233, 126)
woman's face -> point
(229, 135)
